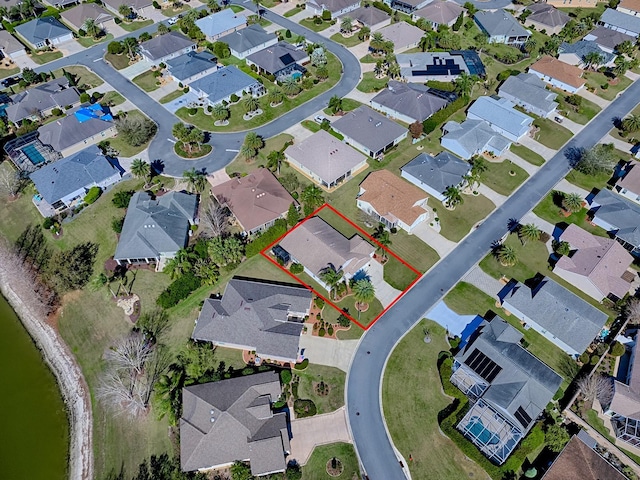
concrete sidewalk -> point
(309, 432)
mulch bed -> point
(337, 471)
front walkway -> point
(483, 281)
(328, 351)
(384, 292)
(307, 433)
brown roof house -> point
(581, 3)
(403, 36)
(630, 7)
(629, 184)
(328, 161)
(316, 245)
(231, 420)
(256, 200)
(580, 460)
(393, 201)
(369, 16)
(546, 17)
(439, 13)
(596, 265)
(140, 7)
(76, 17)
(256, 315)
(558, 74)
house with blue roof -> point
(472, 137)
(220, 85)
(44, 32)
(192, 65)
(575, 53)
(501, 117)
(64, 184)
(221, 23)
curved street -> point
(225, 145)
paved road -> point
(224, 145)
(365, 375)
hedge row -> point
(445, 86)
(178, 290)
(267, 237)
(441, 116)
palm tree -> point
(363, 292)
(382, 236)
(393, 70)
(335, 104)
(181, 132)
(274, 160)
(529, 232)
(464, 84)
(631, 123)
(346, 25)
(131, 44)
(312, 198)
(253, 140)
(377, 42)
(593, 59)
(507, 255)
(220, 112)
(140, 169)
(180, 264)
(196, 136)
(625, 47)
(478, 165)
(322, 72)
(214, 6)
(427, 42)
(91, 27)
(572, 202)
(290, 86)
(163, 29)
(250, 103)
(621, 66)
(247, 152)
(332, 278)
(275, 96)
(196, 180)
(452, 197)
(258, 9)
(530, 45)
(364, 33)
(378, 69)
(124, 10)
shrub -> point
(594, 360)
(302, 365)
(234, 98)
(84, 97)
(178, 290)
(604, 86)
(117, 223)
(344, 321)
(304, 408)
(296, 268)
(617, 349)
(56, 111)
(121, 199)
(48, 223)
(267, 237)
(317, 20)
(115, 48)
(287, 34)
(326, 15)
(330, 330)
(285, 376)
(156, 5)
(117, 20)
(319, 302)
(441, 116)
(383, 6)
(321, 332)
(81, 33)
(584, 358)
(185, 89)
(92, 195)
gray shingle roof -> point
(500, 23)
(55, 93)
(474, 135)
(83, 169)
(369, 128)
(217, 23)
(232, 420)
(73, 129)
(439, 172)
(223, 82)
(500, 112)
(608, 38)
(154, 227)
(77, 15)
(42, 29)
(276, 57)
(621, 20)
(547, 15)
(162, 45)
(368, 15)
(412, 100)
(584, 47)
(529, 89)
(255, 314)
(190, 64)
(9, 44)
(334, 5)
(440, 12)
(247, 38)
(523, 381)
(558, 311)
(621, 213)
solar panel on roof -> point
(483, 365)
(287, 59)
(523, 417)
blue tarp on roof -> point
(96, 111)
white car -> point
(173, 20)
(319, 119)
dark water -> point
(34, 432)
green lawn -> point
(113, 98)
(7, 72)
(308, 23)
(411, 400)
(550, 209)
(595, 80)
(351, 41)
(82, 75)
(526, 154)
(503, 177)
(371, 84)
(368, 58)
(316, 467)
(348, 104)
(147, 81)
(240, 165)
(586, 112)
(455, 224)
(171, 96)
(466, 299)
(292, 12)
(46, 57)
(589, 182)
(124, 148)
(551, 134)
(334, 377)
(117, 61)
(311, 125)
(133, 26)
(88, 42)
(172, 12)
(398, 275)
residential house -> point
(162, 48)
(392, 201)
(407, 6)
(529, 92)
(575, 53)
(10, 47)
(369, 131)
(403, 36)
(256, 201)
(369, 16)
(281, 60)
(156, 228)
(256, 315)
(501, 117)
(473, 137)
(620, 22)
(577, 3)
(40, 100)
(580, 459)
(336, 7)
(440, 66)
(191, 66)
(221, 85)
(546, 17)
(141, 8)
(246, 41)
(630, 7)
(85, 125)
(233, 419)
(507, 386)
(558, 74)
(598, 266)
(28, 153)
(410, 102)
(325, 159)
(608, 39)
(221, 23)
(60, 4)
(556, 313)
(439, 13)
(64, 184)
(628, 185)
(618, 216)
(501, 27)
(44, 32)
(316, 245)
(77, 16)
(435, 174)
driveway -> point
(328, 351)
(174, 105)
(307, 433)
(431, 237)
(384, 292)
(136, 69)
(462, 326)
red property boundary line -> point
(265, 254)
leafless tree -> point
(10, 182)
(632, 310)
(596, 386)
(130, 353)
(213, 219)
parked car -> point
(319, 119)
(7, 82)
(173, 20)
(558, 119)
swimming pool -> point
(476, 428)
(33, 154)
(296, 75)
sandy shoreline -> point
(68, 375)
